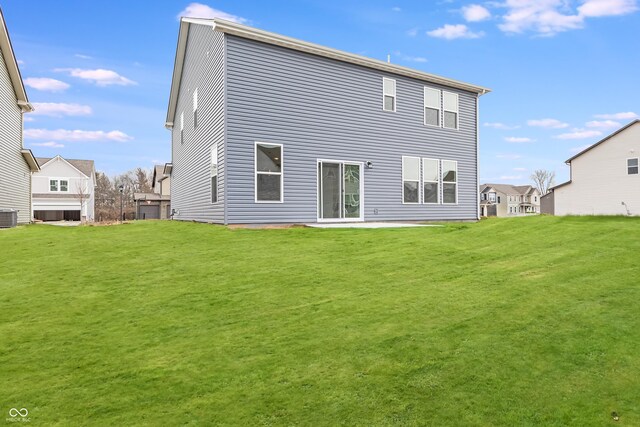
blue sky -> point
(564, 73)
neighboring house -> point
(16, 163)
(266, 129)
(64, 189)
(509, 200)
(155, 205)
(604, 178)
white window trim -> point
(638, 166)
(395, 97)
(255, 172)
(214, 149)
(451, 111)
(58, 186)
(419, 176)
(424, 107)
(423, 180)
(57, 190)
(449, 182)
(318, 187)
(195, 108)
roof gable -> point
(251, 33)
(12, 67)
(83, 167)
(603, 140)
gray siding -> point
(320, 108)
(15, 176)
(190, 181)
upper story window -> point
(195, 108)
(432, 99)
(214, 173)
(410, 179)
(450, 107)
(431, 180)
(492, 197)
(632, 166)
(388, 94)
(58, 185)
(449, 181)
(269, 176)
(53, 185)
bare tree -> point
(82, 195)
(543, 180)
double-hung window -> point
(64, 185)
(632, 166)
(450, 107)
(449, 181)
(53, 185)
(388, 94)
(431, 180)
(432, 106)
(269, 178)
(195, 108)
(410, 179)
(214, 173)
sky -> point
(563, 73)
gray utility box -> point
(8, 218)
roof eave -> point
(30, 159)
(606, 138)
(12, 67)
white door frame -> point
(318, 184)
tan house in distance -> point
(605, 179)
(157, 204)
(508, 200)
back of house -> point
(16, 163)
(270, 129)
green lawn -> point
(513, 322)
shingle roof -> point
(510, 189)
(84, 166)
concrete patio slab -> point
(369, 225)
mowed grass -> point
(525, 321)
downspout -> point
(477, 192)
(225, 129)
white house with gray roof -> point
(509, 200)
(64, 189)
(604, 178)
(16, 163)
(270, 129)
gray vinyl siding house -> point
(324, 109)
(16, 163)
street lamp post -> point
(121, 189)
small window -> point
(195, 108)
(214, 173)
(53, 185)
(449, 181)
(498, 199)
(492, 197)
(431, 180)
(632, 166)
(182, 128)
(389, 94)
(64, 185)
(410, 179)
(450, 107)
(269, 179)
(432, 106)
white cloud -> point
(549, 17)
(509, 156)
(596, 8)
(412, 32)
(199, 10)
(20, 61)
(548, 123)
(60, 109)
(518, 139)
(46, 84)
(579, 149)
(50, 144)
(409, 58)
(28, 119)
(81, 56)
(501, 126)
(629, 115)
(603, 124)
(76, 135)
(579, 134)
(451, 32)
(511, 177)
(520, 169)
(396, 9)
(475, 13)
(99, 76)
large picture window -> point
(410, 179)
(632, 166)
(389, 94)
(269, 175)
(214, 173)
(431, 106)
(449, 181)
(450, 107)
(431, 180)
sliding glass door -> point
(339, 191)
